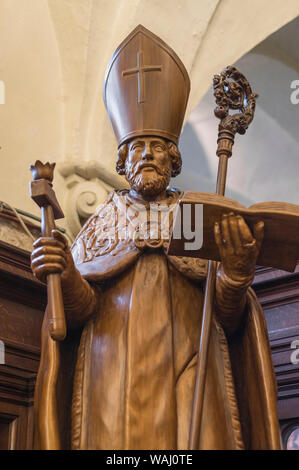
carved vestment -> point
(134, 370)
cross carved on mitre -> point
(140, 69)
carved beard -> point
(147, 184)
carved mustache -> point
(141, 165)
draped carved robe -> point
(131, 379)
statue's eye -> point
(136, 147)
(159, 148)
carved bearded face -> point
(148, 165)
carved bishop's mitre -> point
(146, 88)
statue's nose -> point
(147, 153)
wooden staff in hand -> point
(232, 91)
(42, 193)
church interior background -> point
(52, 64)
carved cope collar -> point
(121, 229)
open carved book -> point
(280, 247)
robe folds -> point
(130, 371)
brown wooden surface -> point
(278, 292)
(42, 193)
(139, 72)
(127, 374)
(280, 247)
(236, 95)
(22, 302)
(134, 365)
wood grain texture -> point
(153, 104)
(142, 316)
(280, 247)
(22, 301)
(278, 292)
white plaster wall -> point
(31, 120)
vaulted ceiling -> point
(53, 59)
(265, 162)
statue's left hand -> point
(238, 247)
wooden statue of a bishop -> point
(124, 376)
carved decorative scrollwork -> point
(232, 91)
(89, 197)
(82, 200)
(88, 185)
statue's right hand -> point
(51, 255)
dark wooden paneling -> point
(278, 292)
(22, 304)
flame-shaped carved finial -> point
(43, 171)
